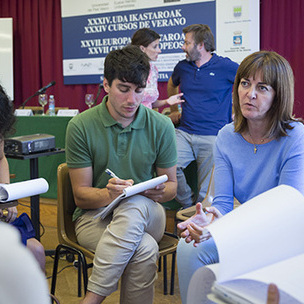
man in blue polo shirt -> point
(206, 80)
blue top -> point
(242, 174)
(207, 93)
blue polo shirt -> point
(207, 93)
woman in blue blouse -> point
(261, 149)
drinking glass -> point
(43, 100)
(89, 100)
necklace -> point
(255, 146)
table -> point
(53, 125)
(34, 173)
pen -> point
(112, 174)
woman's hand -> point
(199, 234)
(193, 228)
(175, 99)
(199, 218)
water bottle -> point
(179, 108)
(51, 105)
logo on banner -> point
(237, 11)
(237, 38)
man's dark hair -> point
(7, 117)
(128, 64)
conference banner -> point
(92, 28)
(237, 28)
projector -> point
(28, 144)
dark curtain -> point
(38, 52)
(38, 48)
(282, 25)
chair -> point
(184, 214)
(68, 241)
(66, 230)
(54, 299)
(168, 245)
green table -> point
(53, 125)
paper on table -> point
(132, 190)
(265, 230)
(10, 192)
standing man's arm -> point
(166, 191)
(88, 197)
(172, 90)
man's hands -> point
(193, 228)
(116, 186)
(155, 194)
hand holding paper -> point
(117, 185)
(129, 191)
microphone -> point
(40, 91)
(98, 93)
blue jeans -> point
(192, 147)
(190, 258)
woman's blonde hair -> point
(276, 72)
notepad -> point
(132, 190)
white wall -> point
(6, 56)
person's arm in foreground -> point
(166, 191)
(88, 197)
(5, 179)
(173, 90)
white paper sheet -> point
(265, 230)
(14, 191)
(132, 190)
(262, 242)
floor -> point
(66, 289)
